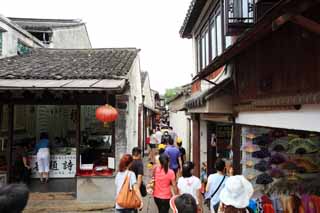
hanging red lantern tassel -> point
(106, 113)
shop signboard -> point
(61, 166)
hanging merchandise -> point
(281, 161)
(262, 166)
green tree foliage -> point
(170, 93)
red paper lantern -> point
(106, 113)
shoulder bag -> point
(127, 197)
(207, 201)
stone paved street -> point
(65, 202)
(149, 204)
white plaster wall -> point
(135, 99)
(191, 135)
(70, 38)
(307, 118)
(179, 122)
(146, 91)
(11, 36)
(194, 56)
(203, 141)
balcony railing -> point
(239, 15)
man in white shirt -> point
(158, 135)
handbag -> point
(143, 189)
(207, 200)
(127, 197)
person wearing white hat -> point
(236, 194)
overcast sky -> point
(150, 25)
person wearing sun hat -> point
(236, 194)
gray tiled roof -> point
(198, 99)
(32, 24)
(192, 15)
(112, 63)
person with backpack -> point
(120, 180)
(215, 184)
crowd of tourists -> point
(173, 184)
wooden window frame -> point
(24, 44)
(206, 24)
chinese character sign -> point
(61, 166)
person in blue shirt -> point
(43, 157)
(174, 155)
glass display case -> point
(97, 145)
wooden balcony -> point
(239, 16)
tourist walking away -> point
(13, 198)
(137, 168)
(22, 164)
(152, 145)
(161, 149)
(172, 133)
(183, 203)
(182, 150)
(165, 138)
(158, 135)
(190, 184)
(43, 157)
(164, 179)
(236, 194)
(215, 184)
(174, 155)
(125, 174)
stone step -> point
(63, 202)
(66, 206)
(52, 196)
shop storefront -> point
(212, 119)
(219, 143)
(281, 163)
(60, 98)
(93, 156)
(280, 154)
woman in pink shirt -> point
(164, 179)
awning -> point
(38, 84)
(151, 109)
(200, 98)
(307, 118)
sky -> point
(150, 25)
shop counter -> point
(61, 166)
(96, 188)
